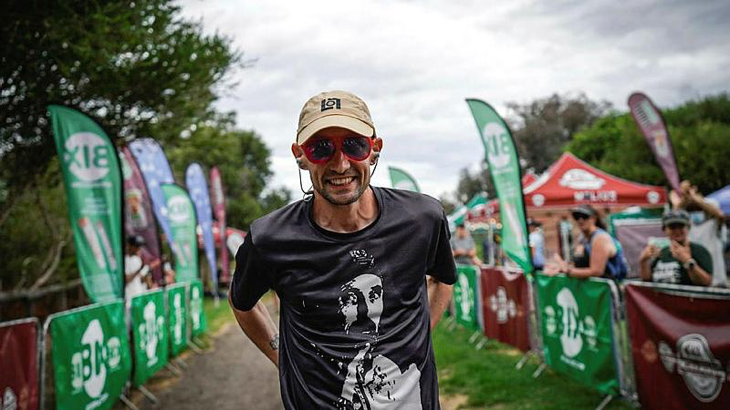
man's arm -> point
(439, 296)
(259, 327)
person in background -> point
(601, 255)
(167, 271)
(682, 262)
(537, 244)
(708, 228)
(463, 247)
(135, 270)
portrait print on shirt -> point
(373, 381)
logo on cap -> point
(330, 103)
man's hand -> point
(680, 252)
(650, 252)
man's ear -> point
(377, 147)
(298, 153)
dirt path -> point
(233, 374)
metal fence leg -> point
(180, 362)
(128, 402)
(198, 342)
(174, 370)
(474, 336)
(524, 360)
(481, 343)
(148, 394)
(194, 347)
(605, 402)
(539, 370)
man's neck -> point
(345, 218)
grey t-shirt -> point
(465, 244)
(354, 321)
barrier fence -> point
(150, 335)
(505, 307)
(19, 340)
(680, 345)
(177, 318)
(466, 297)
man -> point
(349, 264)
(463, 248)
(537, 244)
(135, 270)
(682, 262)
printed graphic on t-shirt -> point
(373, 381)
(667, 272)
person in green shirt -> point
(681, 262)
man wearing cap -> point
(463, 247)
(681, 262)
(349, 263)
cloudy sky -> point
(414, 62)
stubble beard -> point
(343, 201)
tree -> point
(243, 160)
(699, 131)
(136, 67)
(542, 127)
(471, 184)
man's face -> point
(677, 232)
(461, 232)
(341, 180)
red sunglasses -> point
(321, 150)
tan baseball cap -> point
(334, 109)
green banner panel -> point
(183, 224)
(149, 332)
(197, 316)
(466, 296)
(91, 357)
(93, 183)
(575, 316)
(177, 318)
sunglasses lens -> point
(579, 216)
(357, 148)
(319, 150)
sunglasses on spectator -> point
(578, 216)
(321, 150)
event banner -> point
(650, 121)
(577, 330)
(177, 318)
(466, 296)
(183, 224)
(93, 182)
(680, 344)
(198, 188)
(504, 167)
(474, 207)
(197, 315)
(219, 207)
(149, 332)
(138, 216)
(400, 179)
(19, 364)
(91, 357)
(505, 307)
(156, 171)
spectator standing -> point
(683, 262)
(136, 272)
(537, 244)
(463, 247)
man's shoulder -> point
(699, 250)
(279, 223)
(415, 203)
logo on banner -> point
(87, 156)
(177, 209)
(96, 357)
(577, 178)
(9, 401)
(498, 145)
(465, 297)
(150, 331)
(574, 331)
(177, 332)
(694, 361)
(504, 307)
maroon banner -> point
(505, 307)
(655, 132)
(680, 344)
(19, 365)
(219, 208)
(139, 218)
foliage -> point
(489, 379)
(243, 161)
(135, 66)
(699, 131)
(542, 127)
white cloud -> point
(415, 62)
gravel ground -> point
(233, 374)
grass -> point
(488, 378)
(216, 316)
